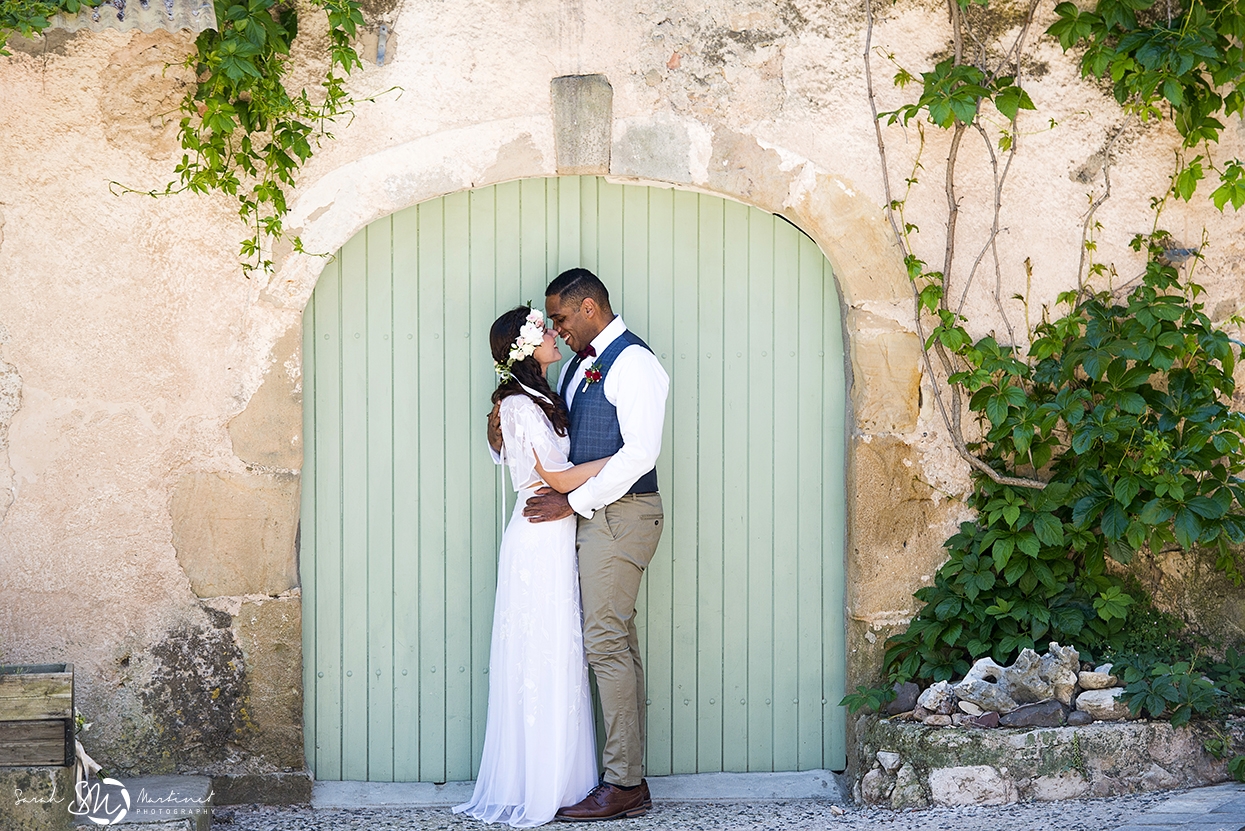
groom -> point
(615, 391)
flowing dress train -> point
(539, 745)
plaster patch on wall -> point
(10, 402)
(700, 151)
(515, 160)
(261, 434)
(142, 90)
(659, 148)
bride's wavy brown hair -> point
(501, 336)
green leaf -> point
(1126, 489)
(1188, 528)
(1048, 528)
(1010, 100)
(1114, 521)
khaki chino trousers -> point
(615, 547)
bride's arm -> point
(565, 481)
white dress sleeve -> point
(525, 428)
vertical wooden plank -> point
(485, 527)
(654, 623)
(610, 251)
(679, 485)
(634, 256)
(379, 493)
(432, 454)
(535, 240)
(354, 508)
(813, 621)
(711, 618)
(328, 551)
(586, 218)
(406, 497)
(457, 520)
(834, 534)
(734, 489)
(787, 386)
(754, 354)
(307, 532)
(563, 203)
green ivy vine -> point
(242, 131)
(1110, 433)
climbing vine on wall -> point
(243, 132)
(1109, 433)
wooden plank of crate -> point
(31, 695)
(35, 743)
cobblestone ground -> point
(1070, 815)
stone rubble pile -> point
(1048, 690)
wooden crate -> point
(36, 715)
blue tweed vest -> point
(594, 420)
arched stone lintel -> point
(659, 150)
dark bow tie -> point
(588, 351)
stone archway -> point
(665, 150)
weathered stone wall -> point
(149, 392)
(913, 766)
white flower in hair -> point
(531, 336)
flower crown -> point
(531, 336)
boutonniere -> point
(592, 374)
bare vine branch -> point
(950, 418)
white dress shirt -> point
(636, 384)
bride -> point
(539, 745)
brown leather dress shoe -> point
(607, 801)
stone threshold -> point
(698, 787)
(910, 765)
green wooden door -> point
(741, 615)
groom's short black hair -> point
(575, 284)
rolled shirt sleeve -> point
(637, 386)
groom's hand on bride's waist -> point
(547, 505)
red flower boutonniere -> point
(592, 374)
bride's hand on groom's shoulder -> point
(547, 505)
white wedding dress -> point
(539, 744)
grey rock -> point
(905, 699)
(1043, 714)
(908, 792)
(935, 697)
(1097, 680)
(1025, 681)
(986, 720)
(1079, 718)
(876, 787)
(969, 708)
(1031, 679)
(1157, 778)
(983, 686)
(971, 785)
(1104, 705)
(1060, 665)
(888, 760)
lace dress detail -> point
(539, 745)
